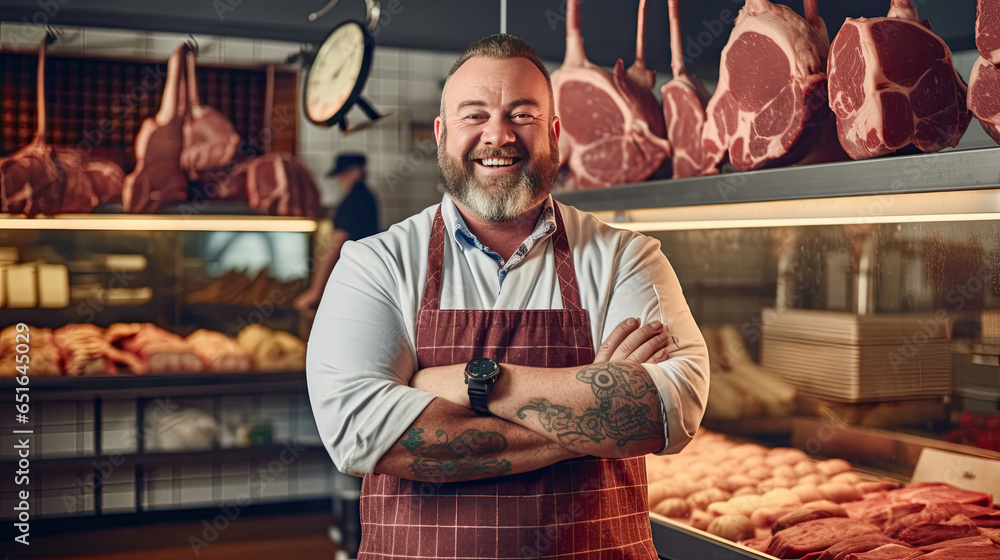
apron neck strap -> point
(560, 244)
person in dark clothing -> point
(357, 217)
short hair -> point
(500, 46)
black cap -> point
(345, 161)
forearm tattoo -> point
(620, 414)
(468, 456)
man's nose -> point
(498, 132)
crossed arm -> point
(542, 415)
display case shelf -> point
(129, 386)
(956, 170)
(137, 222)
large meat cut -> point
(274, 184)
(684, 101)
(158, 178)
(771, 101)
(612, 125)
(892, 84)
(210, 140)
(158, 351)
(31, 180)
(984, 82)
(988, 30)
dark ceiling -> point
(609, 27)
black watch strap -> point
(478, 391)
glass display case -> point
(132, 446)
(871, 288)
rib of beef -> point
(892, 84)
(771, 101)
(210, 140)
(988, 30)
(158, 178)
(684, 101)
(612, 125)
(31, 180)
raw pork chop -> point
(771, 100)
(892, 84)
(684, 101)
(612, 125)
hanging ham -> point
(31, 180)
(771, 101)
(210, 141)
(684, 101)
(612, 125)
(892, 84)
(984, 82)
(158, 178)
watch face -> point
(338, 72)
(482, 369)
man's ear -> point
(438, 123)
(556, 127)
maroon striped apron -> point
(585, 509)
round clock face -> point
(339, 69)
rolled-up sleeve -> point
(359, 363)
(647, 287)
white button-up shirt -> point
(361, 352)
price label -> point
(962, 471)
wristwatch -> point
(480, 374)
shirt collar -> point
(463, 237)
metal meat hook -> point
(373, 8)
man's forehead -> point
(481, 78)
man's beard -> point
(504, 197)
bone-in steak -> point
(892, 84)
(684, 101)
(988, 30)
(771, 101)
(612, 125)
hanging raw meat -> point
(984, 82)
(771, 102)
(274, 184)
(892, 84)
(210, 140)
(31, 180)
(78, 194)
(107, 179)
(612, 125)
(684, 102)
(984, 96)
(158, 178)
(988, 30)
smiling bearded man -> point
(508, 196)
(455, 360)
